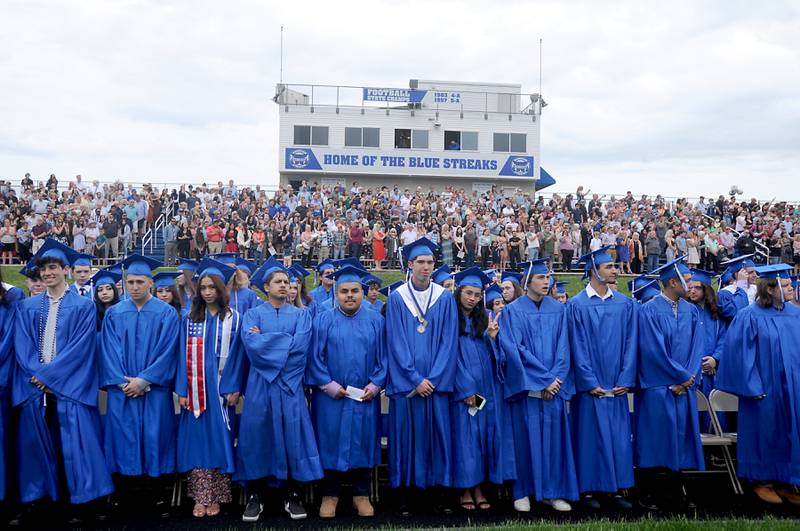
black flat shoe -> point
(590, 502)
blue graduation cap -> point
(351, 261)
(535, 267)
(643, 288)
(594, 259)
(188, 265)
(271, 265)
(298, 272)
(229, 259)
(165, 279)
(386, 291)
(114, 268)
(702, 276)
(215, 268)
(775, 271)
(369, 281)
(513, 277)
(492, 292)
(325, 265)
(105, 277)
(491, 273)
(725, 277)
(672, 269)
(30, 270)
(137, 264)
(441, 274)
(52, 248)
(349, 273)
(734, 265)
(795, 282)
(83, 260)
(420, 247)
(561, 287)
(245, 265)
(552, 282)
(472, 277)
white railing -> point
(149, 237)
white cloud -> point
(682, 98)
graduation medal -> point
(423, 323)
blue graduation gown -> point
(140, 432)
(761, 359)
(377, 305)
(603, 339)
(534, 352)
(7, 314)
(729, 303)
(276, 439)
(713, 340)
(243, 299)
(420, 446)
(206, 441)
(350, 351)
(320, 296)
(666, 426)
(72, 377)
(483, 445)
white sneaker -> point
(522, 505)
(559, 505)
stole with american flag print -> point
(195, 366)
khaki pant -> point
(215, 247)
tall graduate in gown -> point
(603, 341)
(59, 451)
(422, 330)
(348, 352)
(535, 364)
(671, 343)
(323, 293)
(739, 293)
(760, 364)
(137, 369)
(276, 338)
(10, 296)
(483, 445)
(208, 386)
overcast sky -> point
(678, 98)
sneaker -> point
(559, 505)
(294, 507)
(253, 509)
(522, 505)
(590, 502)
(621, 503)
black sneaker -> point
(621, 503)
(590, 502)
(294, 507)
(253, 509)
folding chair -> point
(719, 440)
(722, 402)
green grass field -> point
(574, 285)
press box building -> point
(432, 134)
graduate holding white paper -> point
(348, 353)
(535, 364)
(422, 330)
(603, 340)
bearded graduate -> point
(208, 386)
(10, 296)
(667, 432)
(276, 338)
(483, 449)
(603, 341)
(59, 452)
(761, 366)
(535, 363)
(348, 364)
(422, 331)
(137, 369)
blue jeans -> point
(652, 262)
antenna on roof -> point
(281, 73)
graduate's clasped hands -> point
(684, 387)
(552, 390)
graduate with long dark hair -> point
(208, 385)
(483, 449)
(166, 289)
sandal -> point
(468, 504)
(212, 510)
(484, 505)
(199, 510)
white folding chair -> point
(719, 440)
(722, 402)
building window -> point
(510, 142)
(362, 137)
(419, 139)
(452, 140)
(306, 135)
(402, 138)
(461, 140)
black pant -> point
(358, 477)
(566, 259)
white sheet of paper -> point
(354, 393)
